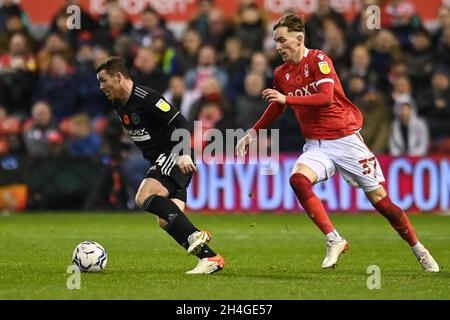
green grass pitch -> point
(267, 257)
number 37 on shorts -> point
(368, 164)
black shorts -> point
(168, 173)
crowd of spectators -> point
(215, 71)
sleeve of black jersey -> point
(165, 112)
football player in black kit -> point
(150, 121)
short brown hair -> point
(114, 65)
(292, 22)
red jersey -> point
(330, 121)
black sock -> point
(206, 252)
(179, 227)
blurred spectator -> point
(314, 25)
(147, 72)
(219, 30)
(82, 140)
(206, 68)
(420, 60)
(358, 31)
(40, 131)
(117, 25)
(10, 134)
(200, 21)
(361, 66)
(17, 80)
(443, 22)
(90, 99)
(18, 48)
(260, 65)
(384, 51)
(250, 105)
(100, 55)
(151, 23)
(402, 90)
(9, 8)
(125, 48)
(434, 104)
(443, 49)
(73, 36)
(114, 142)
(211, 115)
(179, 96)
(409, 133)
(211, 92)
(376, 114)
(250, 28)
(188, 49)
(59, 87)
(233, 63)
(165, 54)
(12, 19)
(402, 19)
(53, 44)
(335, 45)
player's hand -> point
(242, 145)
(273, 95)
(186, 164)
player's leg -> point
(311, 167)
(302, 180)
(152, 197)
(197, 241)
(360, 168)
(209, 261)
(400, 222)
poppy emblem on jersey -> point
(287, 76)
(135, 118)
(306, 71)
(126, 119)
(163, 105)
(324, 67)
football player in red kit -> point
(330, 123)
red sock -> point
(310, 202)
(398, 219)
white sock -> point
(334, 236)
(418, 249)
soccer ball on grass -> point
(89, 256)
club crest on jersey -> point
(163, 105)
(324, 67)
(135, 118)
(287, 76)
(306, 71)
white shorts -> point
(349, 155)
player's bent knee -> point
(141, 196)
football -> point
(90, 256)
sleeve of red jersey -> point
(272, 112)
(323, 73)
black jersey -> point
(148, 116)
